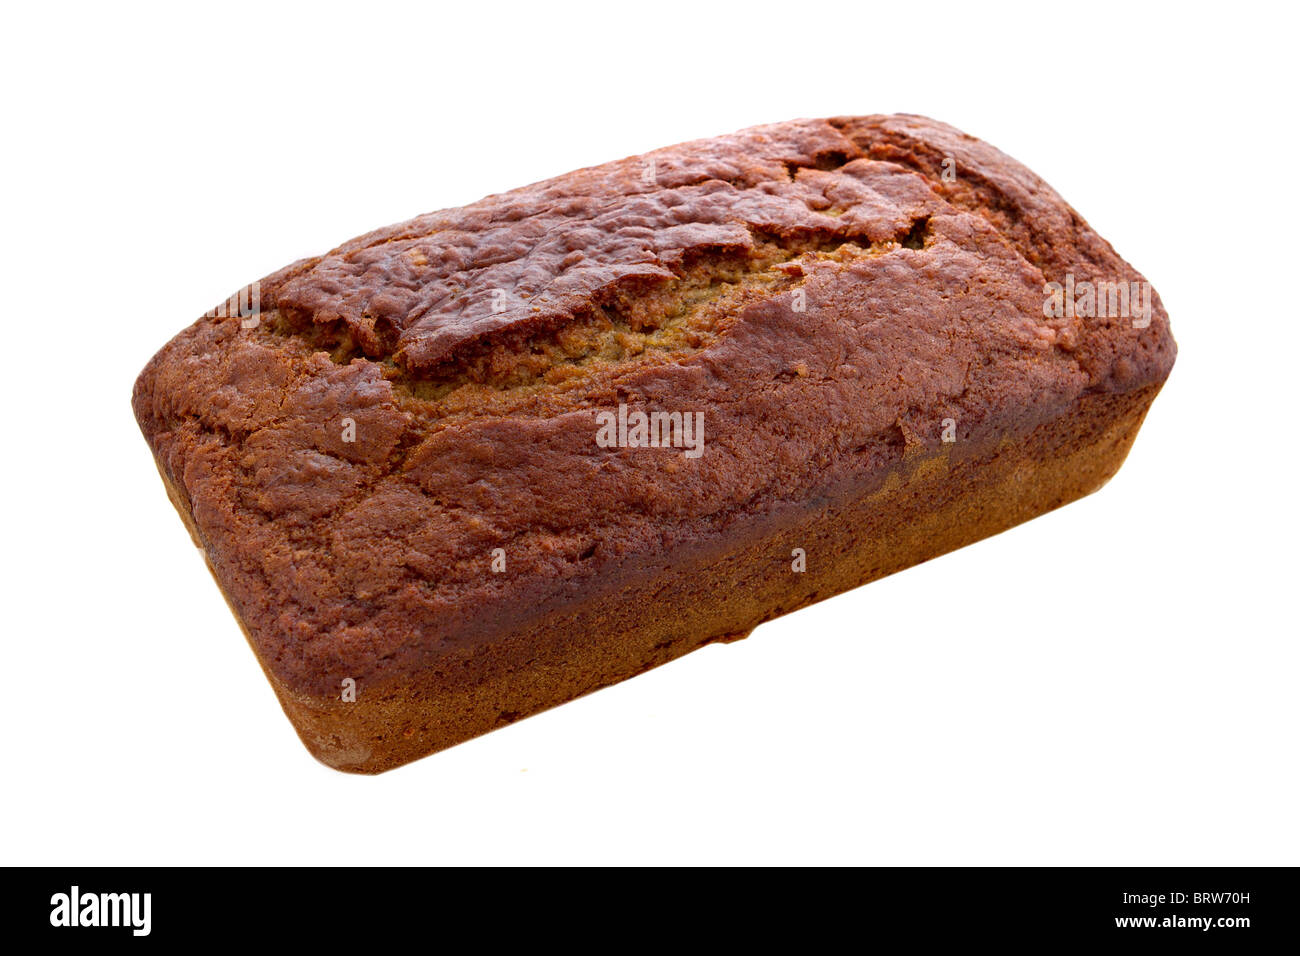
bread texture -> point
(419, 468)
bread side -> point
(395, 471)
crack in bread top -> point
(532, 261)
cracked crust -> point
(471, 348)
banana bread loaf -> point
(476, 464)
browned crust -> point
(922, 313)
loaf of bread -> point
(476, 464)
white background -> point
(1115, 683)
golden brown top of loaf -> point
(827, 292)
